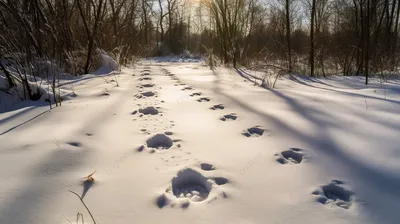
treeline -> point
(314, 37)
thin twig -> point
(56, 142)
(84, 205)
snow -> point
(309, 151)
(108, 64)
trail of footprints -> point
(194, 185)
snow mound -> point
(108, 64)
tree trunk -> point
(312, 42)
(7, 74)
(367, 40)
(288, 36)
(396, 36)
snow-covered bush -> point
(107, 62)
(186, 54)
(3, 82)
(101, 62)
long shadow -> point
(84, 78)
(23, 205)
(25, 122)
(246, 75)
(350, 94)
(334, 90)
(86, 186)
(20, 113)
(379, 181)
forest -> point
(309, 37)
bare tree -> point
(91, 31)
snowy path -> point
(180, 143)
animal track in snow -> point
(218, 107)
(146, 94)
(255, 131)
(145, 74)
(204, 99)
(207, 166)
(190, 183)
(220, 180)
(147, 111)
(293, 155)
(229, 117)
(147, 85)
(187, 88)
(160, 142)
(335, 193)
(196, 94)
(145, 78)
(190, 186)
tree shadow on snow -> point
(42, 187)
(365, 175)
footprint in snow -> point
(159, 142)
(196, 94)
(207, 166)
(255, 131)
(145, 78)
(228, 117)
(204, 99)
(335, 193)
(190, 186)
(218, 107)
(147, 85)
(187, 88)
(293, 155)
(147, 111)
(146, 94)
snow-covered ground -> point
(179, 143)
